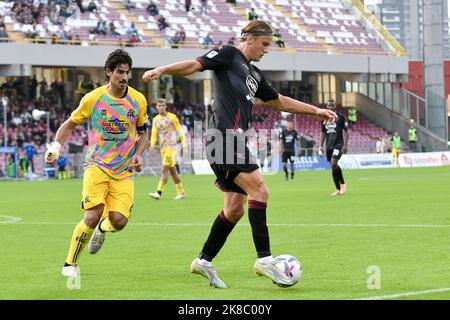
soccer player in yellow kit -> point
(117, 114)
(166, 128)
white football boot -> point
(343, 189)
(71, 271)
(271, 271)
(180, 196)
(336, 193)
(155, 195)
(96, 242)
(208, 272)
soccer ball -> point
(290, 266)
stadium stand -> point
(319, 26)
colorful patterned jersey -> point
(166, 128)
(115, 124)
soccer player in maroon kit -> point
(236, 85)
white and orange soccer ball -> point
(291, 267)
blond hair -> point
(256, 28)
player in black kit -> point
(336, 135)
(288, 138)
(237, 83)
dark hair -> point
(116, 58)
(256, 28)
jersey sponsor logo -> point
(114, 126)
(212, 54)
(331, 127)
(252, 86)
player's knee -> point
(118, 220)
(261, 192)
(92, 216)
(234, 213)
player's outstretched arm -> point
(63, 133)
(283, 103)
(184, 68)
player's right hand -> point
(52, 153)
(151, 75)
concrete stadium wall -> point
(95, 56)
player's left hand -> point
(136, 162)
(344, 148)
(151, 75)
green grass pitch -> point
(396, 219)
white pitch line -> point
(405, 294)
(9, 219)
(312, 225)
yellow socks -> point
(80, 237)
(179, 188)
(161, 186)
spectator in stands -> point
(79, 4)
(112, 29)
(132, 29)
(92, 7)
(43, 86)
(129, 5)
(2, 23)
(182, 35)
(386, 141)
(187, 5)
(204, 7)
(174, 41)
(101, 27)
(277, 39)
(64, 12)
(152, 9)
(4, 37)
(74, 10)
(379, 148)
(133, 40)
(53, 15)
(251, 15)
(32, 88)
(233, 2)
(162, 23)
(207, 41)
(187, 117)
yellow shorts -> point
(395, 151)
(99, 188)
(169, 157)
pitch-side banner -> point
(426, 159)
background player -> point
(336, 136)
(165, 129)
(118, 115)
(237, 83)
(288, 138)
